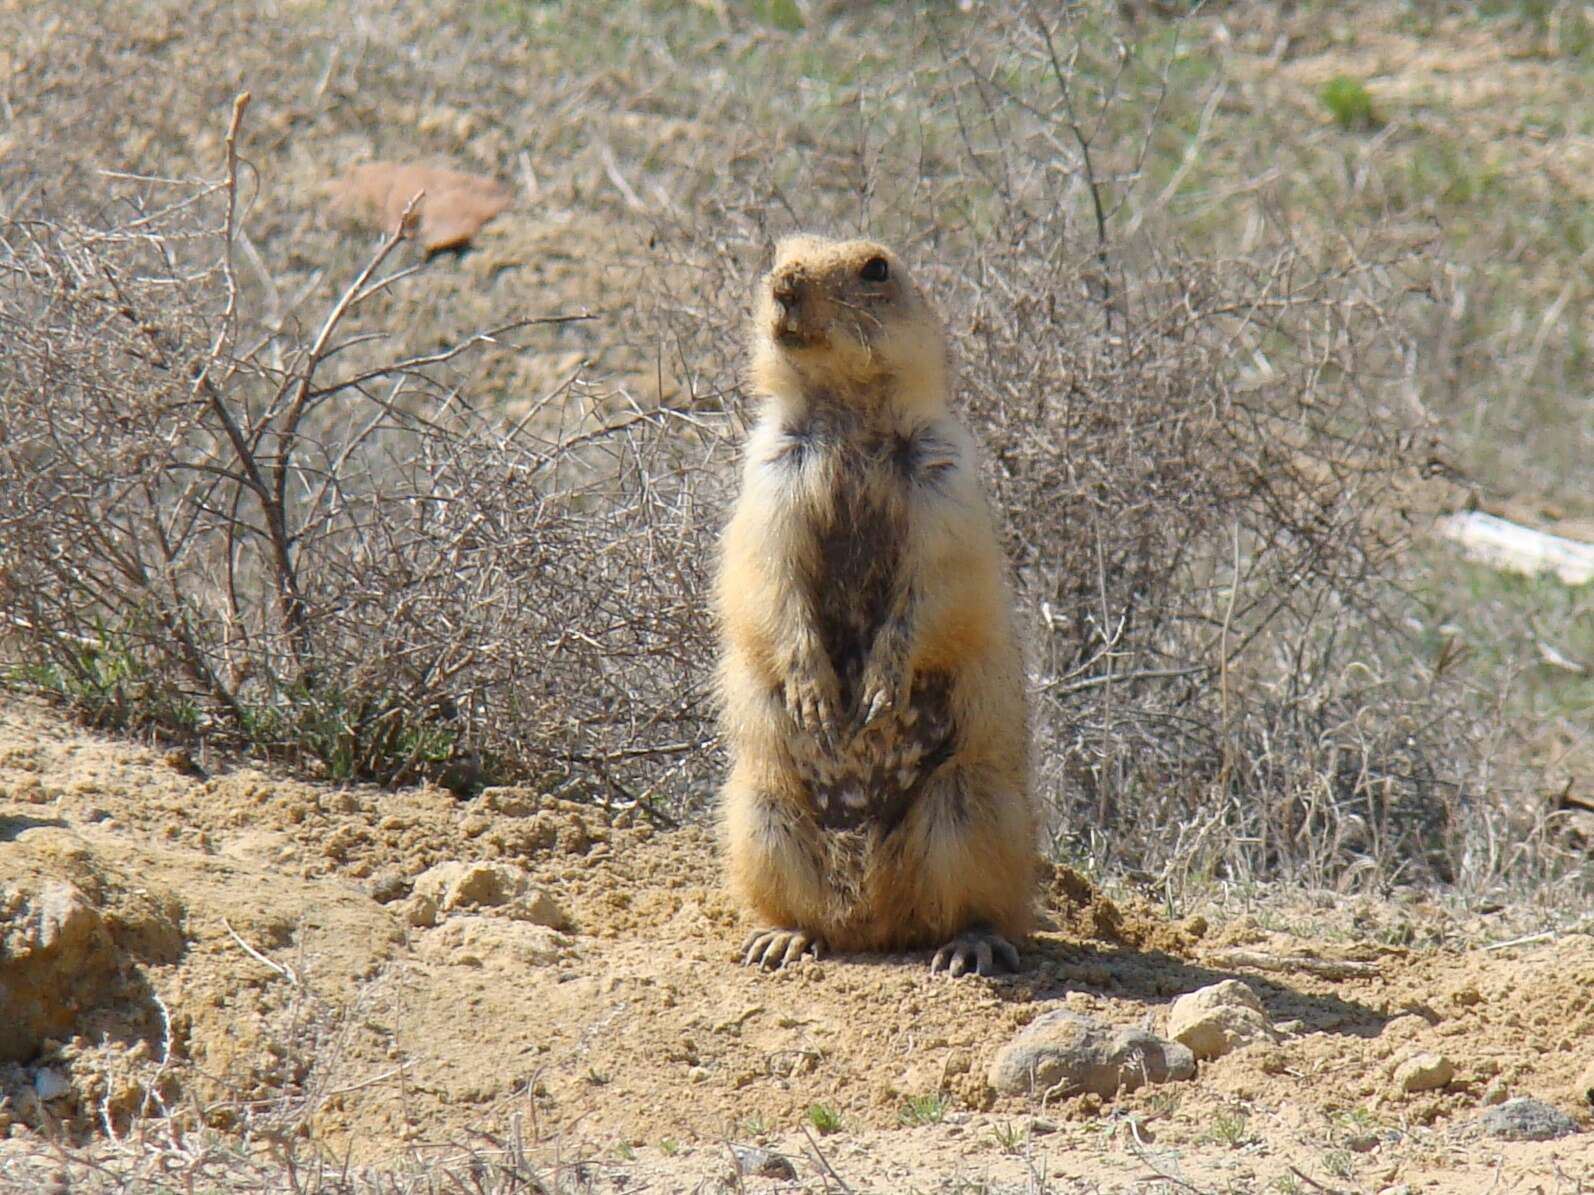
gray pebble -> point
(1063, 1053)
(387, 886)
(763, 1163)
(50, 1084)
(1524, 1119)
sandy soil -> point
(270, 975)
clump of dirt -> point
(273, 972)
(1080, 910)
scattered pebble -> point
(388, 886)
(455, 885)
(1215, 1020)
(1062, 1053)
(50, 1084)
(1425, 1071)
(1526, 1119)
(762, 1163)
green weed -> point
(824, 1118)
(924, 1109)
(1350, 104)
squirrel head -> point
(844, 320)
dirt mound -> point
(388, 971)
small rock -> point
(1495, 1093)
(420, 911)
(762, 1163)
(1524, 1119)
(537, 907)
(1426, 1071)
(1063, 1053)
(512, 802)
(1585, 1083)
(57, 958)
(340, 802)
(495, 943)
(388, 886)
(1217, 1019)
(457, 885)
(50, 1084)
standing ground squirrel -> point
(872, 687)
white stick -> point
(1506, 545)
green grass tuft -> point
(1350, 103)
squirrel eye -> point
(875, 270)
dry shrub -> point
(287, 539)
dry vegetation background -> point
(1242, 295)
(1229, 334)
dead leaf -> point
(451, 212)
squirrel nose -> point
(786, 295)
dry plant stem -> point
(1062, 74)
(281, 969)
(824, 1165)
(271, 500)
(1528, 940)
(275, 504)
(1323, 968)
(1317, 1186)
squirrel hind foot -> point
(772, 949)
(976, 951)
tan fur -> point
(857, 461)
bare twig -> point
(281, 969)
(824, 1165)
(1315, 1185)
(1323, 968)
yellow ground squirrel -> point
(872, 687)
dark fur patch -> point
(927, 459)
(870, 780)
(859, 557)
(875, 778)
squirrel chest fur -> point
(872, 690)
